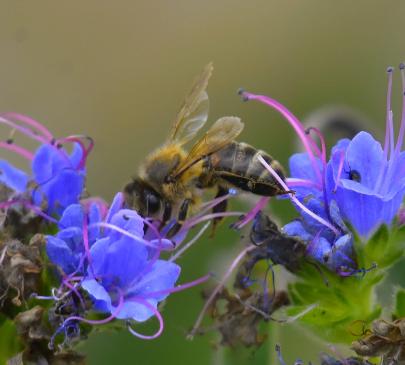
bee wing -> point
(222, 132)
(194, 111)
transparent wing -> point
(222, 132)
(194, 111)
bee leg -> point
(219, 208)
(180, 220)
(167, 213)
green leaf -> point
(400, 304)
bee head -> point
(143, 198)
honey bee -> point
(171, 180)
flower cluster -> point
(57, 177)
(359, 188)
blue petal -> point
(301, 167)
(73, 236)
(365, 155)
(12, 177)
(136, 310)
(366, 212)
(128, 220)
(162, 277)
(48, 160)
(125, 262)
(319, 249)
(62, 190)
(98, 253)
(72, 217)
(116, 205)
(342, 253)
(99, 294)
(60, 254)
(296, 229)
(76, 155)
(94, 218)
(341, 145)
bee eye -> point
(152, 203)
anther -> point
(59, 146)
(402, 66)
(9, 141)
(241, 90)
(390, 69)
(53, 141)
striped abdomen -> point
(238, 165)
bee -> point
(171, 180)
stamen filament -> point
(295, 200)
(135, 238)
(31, 122)
(156, 313)
(252, 213)
(217, 289)
(402, 127)
(295, 182)
(387, 127)
(28, 132)
(18, 150)
(190, 243)
(340, 169)
(292, 119)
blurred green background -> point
(118, 71)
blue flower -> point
(126, 268)
(368, 186)
(66, 249)
(57, 178)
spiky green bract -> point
(336, 304)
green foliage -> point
(9, 341)
(399, 310)
(338, 303)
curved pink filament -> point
(186, 246)
(340, 169)
(156, 313)
(294, 122)
(252, 213)
(388, 114)
(194, 221)
(113, 315)
(26, 131)
(295, 182)
(18, 150)
(295, 200)
(31, 122)
(402, 127)
(125, 233)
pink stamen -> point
(190, 243)
(79, 140)
(392, 134)
(387, 126)
(294, 122)
(113, 227)
(86, 244)
(28, 205)
(340, 169)
(295, 182)
(218, 288)
(156, 313)
(295, 200)
(210, 204)
(31, 122)
(322, 141)
(18, 150)
(28, 132)
(178, 288)
(402, 127)
(194, 221)
(252, 213)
